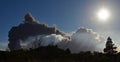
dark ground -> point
(54, 54)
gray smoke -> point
(30, 19)
(30, 27)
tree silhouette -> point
(110, 49)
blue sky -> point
(68, 15)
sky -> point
(68, 15)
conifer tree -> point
(110, 49)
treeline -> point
(54, 54)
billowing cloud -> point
(32, 34)
(44, 40)
(82, 40)
(85, 40)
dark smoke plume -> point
(29, 27)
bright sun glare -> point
(103, 15)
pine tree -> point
(110, 49)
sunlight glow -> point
(103, 15)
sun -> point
(103, 15)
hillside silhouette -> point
(54, 54)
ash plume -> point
(32, 34)
(29, 27)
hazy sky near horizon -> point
(68, 15)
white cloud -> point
(82, 39)
(85, 40)
(44, 40)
